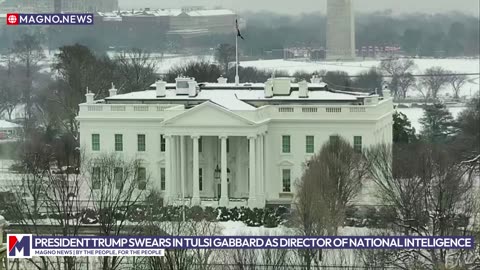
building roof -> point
(238, 97)
(164, 13)
(5, 124)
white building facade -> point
(230, 145)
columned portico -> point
(211, 165)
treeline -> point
(396, 74)
(439, 35)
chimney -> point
(222, 80)
(160, 87)
(113, 91)
(89, 96)
(303, 89)
(269, 88)
(192, 88)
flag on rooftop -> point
(238, 30)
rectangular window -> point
(200, 145)
(95, 142)
(141, 142)
(162, 143)
(357, 144)
(285, 144)
(286, 180)
(162, 178)
(96, 178)
(141, 178)
(118, 177)
(200, 179)
(310, 144)
(334, 138)
(118, 142)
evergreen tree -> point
(403, 132)
(437, 123)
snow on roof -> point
(210, 12)
(233, 99)
(5, 124)
(166, 12)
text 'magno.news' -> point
(50, 19)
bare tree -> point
(431, 195)
(400, 70)
(402, 83)
(434, 80)
(47, 199)
(457, 82)
(201, 259)
(136, 70)
(116, 187)
(330, 182)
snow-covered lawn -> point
(355, 67)
(414, 115)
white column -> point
(252, 198)
(182, 166)
(196, 187)
(168, 170)
(173, 165)
(261, 162)
(224, 186)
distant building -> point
(185, 22)
(221, 144)
(68, 6)
(340, 30)
(86, 5)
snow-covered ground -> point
(414, 115)
(355, 67)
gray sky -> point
(299, 6)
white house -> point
(230, 145)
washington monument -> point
(340, 30)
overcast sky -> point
(299, 6)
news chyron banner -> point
(27, 245)
(50, 19)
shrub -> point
(271, 219)
(223, 214)
(196, 213)
(89, 216)
(210, 214)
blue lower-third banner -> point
(26, 245)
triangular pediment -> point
(208, 114)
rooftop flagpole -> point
(237, 78)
